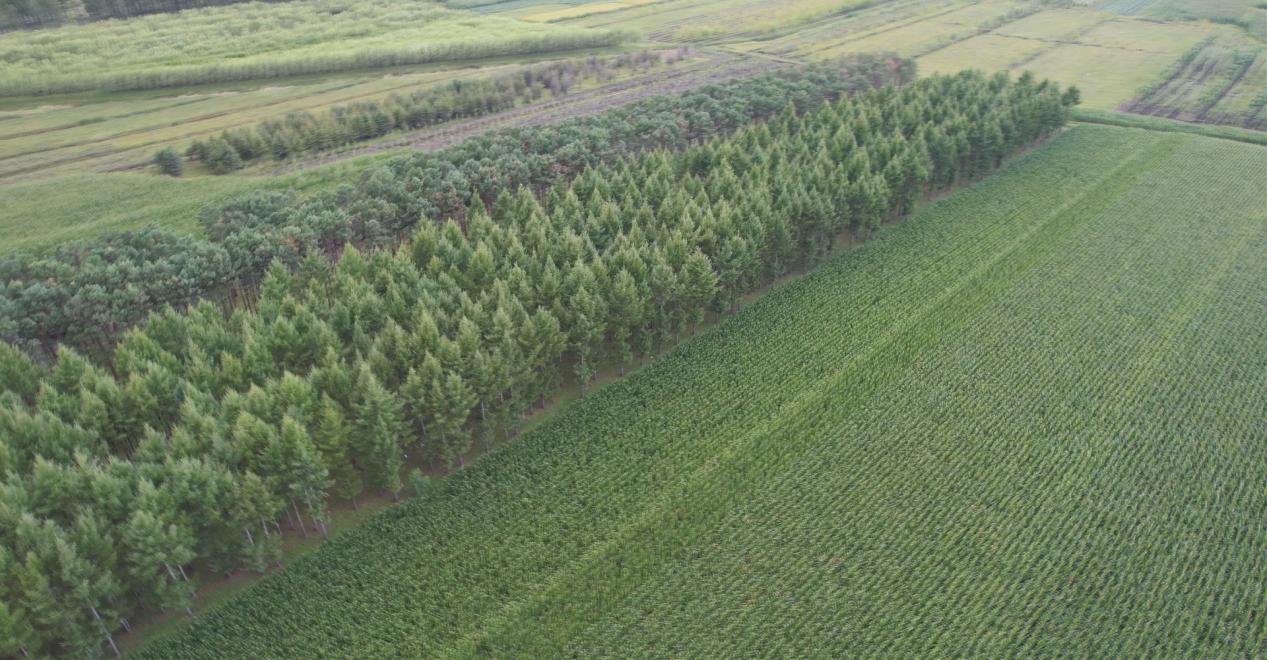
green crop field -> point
(1028, 421)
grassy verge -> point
(1110, 118)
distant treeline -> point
(43, 13)
(306, 132)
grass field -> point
(1130, 120)
(1181, 9)
(1110, 53)
(260, 40)
(1220, 80)
(717, 20)
(42, 214)
(1029, 421)
(124, 133)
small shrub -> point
(169, 162)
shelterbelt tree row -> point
(204, 430)
(84, 294)
(1026, 421)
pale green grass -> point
(917, 35)
(1054, 24)
(58, 144)
(830, 34)
(700, 20)
(1197, 9)
(1129, 120)
(44, 213)
(988, 52)
(1015, 44)
(265, 40)
(36, 215)
(1116, 58)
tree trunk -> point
(109, 637)
(299, 516)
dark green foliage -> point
(169, 162)
(213, 427)
(219, 156)
(1001, 416)
(86, 293)
(383, 207)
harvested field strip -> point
(1218, 81)
(1030, 410)
(871, 32)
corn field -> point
(1031, 420)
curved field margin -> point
(1029, 421)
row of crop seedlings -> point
(208, 430)
(595, 465)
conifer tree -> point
(699, 287)
(377, 430)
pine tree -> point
(626, 311)
(699, 287)
(457, 399)
(306, 474)
(587, 331)
(330, 438)
(169, 162)
(155, 549)
(18, 374)
(378, 428)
